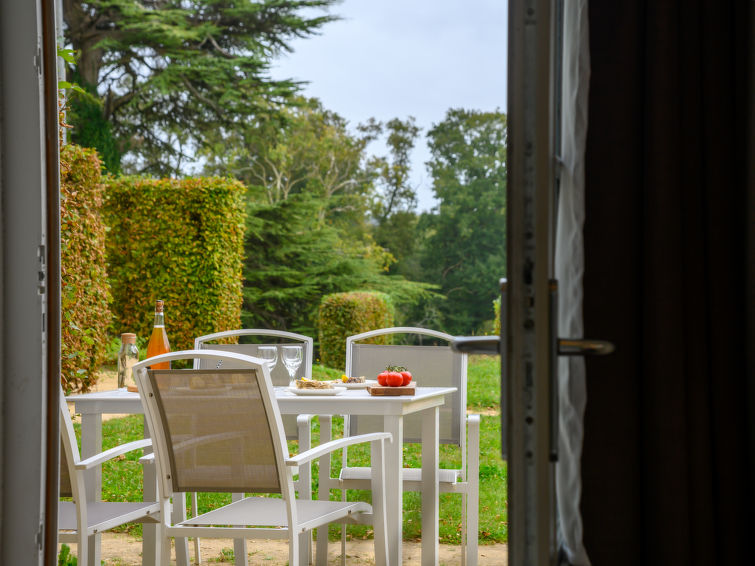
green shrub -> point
(85, 294)
(65, 558)
(180, 241)
(345, 314)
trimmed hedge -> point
(345, 314)
(180, 240)
(85, 293)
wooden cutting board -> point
(381, 390)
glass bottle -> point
(128, 355)
(158, 342)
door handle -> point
(491, 345)
(583, 347)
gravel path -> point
(125, 550)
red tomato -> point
(394, 379)
(407, 377)
(382, 378)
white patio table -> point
(92, 406)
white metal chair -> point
(78, 520)
(220, 430)
(431, 366)
(297, 427)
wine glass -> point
(270, 355)
(292, 358)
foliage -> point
(306, 149)
(484, 383)
(464, 249)
(345, 314)
(180, 241)
(93, 130)
(395, 199)
(395, 193)
(85, 293)
(169, 72)
(293, 260)
(65, 558)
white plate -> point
(365, 385)
(336, 391)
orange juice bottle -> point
(158, 342)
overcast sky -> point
(399, 58)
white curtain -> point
(569, 266)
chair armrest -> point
(147, 459)
(98, 459)
(303, 419)
(473, 433)
(337, 444)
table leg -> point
(305, 484)
(91, 444)
(326, 435)
(380, 525)
(430, 489)
(394, 493)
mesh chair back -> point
(279, 376)
(431, 366)
(217, 432)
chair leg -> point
(181, 543)
(464, 529)
(159, 543)
(305, 550)
(93, 546)
(293, 550)
(164, 557)
(197, 544)
(239, 544)
(82, 551)
(304, 429)
(343, 533)
(473, 521)
(473, 488)
(326, 433)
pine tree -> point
(167, 72)
(464, 249)
(293, 260)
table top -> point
(351, 401)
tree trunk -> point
(83, 35)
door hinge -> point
(40, 536)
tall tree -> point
(293, 260)
(464, 249)
(167, 72)
(395, 198)
(395, 193)
(307, 148)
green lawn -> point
(122, 478)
